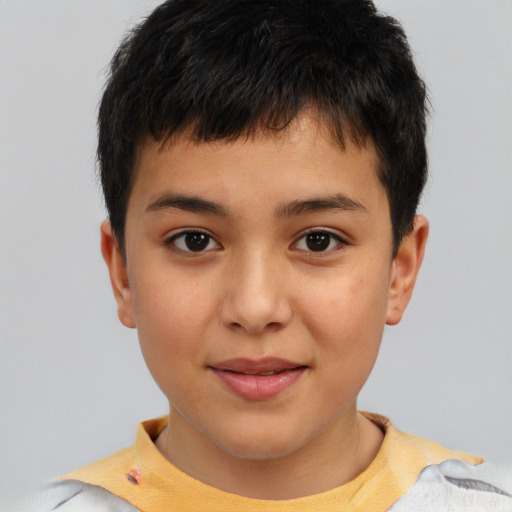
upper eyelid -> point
(183, 231)
(334, 232)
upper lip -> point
(252, 367)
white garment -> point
(456, 486)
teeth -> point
(264, 374)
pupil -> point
(318, 241)
(196, 241)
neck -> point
(336, 456)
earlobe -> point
(406, 266)
(118, 275)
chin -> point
(260, 446)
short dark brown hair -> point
(228, 68)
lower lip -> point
(259, 387)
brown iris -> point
(196, 241)
(318, 241)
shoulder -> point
(432, 478)
(456, 485)
(74, 496)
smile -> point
(258, 380)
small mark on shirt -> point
(134, 476)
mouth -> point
(264, 374)
(266, 366)
(258, 380)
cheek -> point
(346, 314)
(170, 327)
(347, 321)
(171, 315)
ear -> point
(118, 276)
(406, 266)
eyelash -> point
(340, 242)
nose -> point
(255, 298)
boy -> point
(261, 165)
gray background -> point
(73, 383)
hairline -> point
(188, 132)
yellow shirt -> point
(142, 476)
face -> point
(259, 275)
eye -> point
(193, 241)
(319, 241)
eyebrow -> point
(300, 207)
(335, 202)
(187, 203)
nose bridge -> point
(255, 299)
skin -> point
(258, 290)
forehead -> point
(266, 168)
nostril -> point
(271, 326)
(255, 313)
